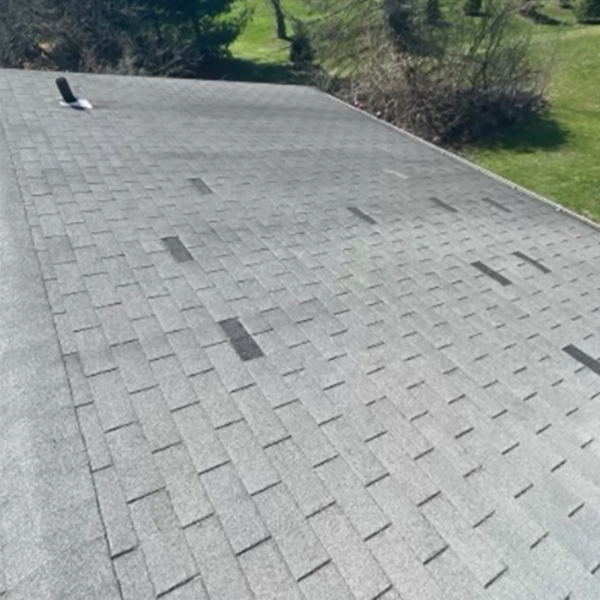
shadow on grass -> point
(540, 18)
(236, 69)
(541, 133)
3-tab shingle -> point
(134, 463)
(235, 508)
(111, 399)
(357, 566)
(413, 429)
(169, 560)
(248, 457)
(115, 512)
(302, 551)
(219, 567)
(201, 440)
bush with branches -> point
(451, 84)
(156, 37)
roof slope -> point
(307, 356)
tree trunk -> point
(280, 20)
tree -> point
(588, 11)
(472, 8)
(167, 37)
(451, 83)
(280, 20)
(433, 13)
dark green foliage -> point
(588, 11)
(157, 37)
(433, 13)
(301, 51)
(472, 8)
(405, 26)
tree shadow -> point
(542, 132)
(540, 18)
(236, 69)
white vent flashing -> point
(68, 97)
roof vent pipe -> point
(69, 98)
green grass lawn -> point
(557, 156)
(259, 42)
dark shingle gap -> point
(424, 453)
(585, 359)
(510, 448)
(325, 461)
(491, 273)
(576, 509)
(539, 540)
(271, 444)
(497, 204)
(177, 249)
(228, 424)
(544, 428)
(443, 204)
(472, 471)
(200, 185)
(267, 487)
(252, 546)
(361, 215)
(313, 571)
(532, 261)
(495, 578)
(464, 432)
(523, 491)
(372, 535)
(377, 479)
(242, 342)
(321, 509)
(436, 554)
(484, 519)
(375, 436)
(429, 499)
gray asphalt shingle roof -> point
(388, 410)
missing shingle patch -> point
(200, 185)
(361, 215)
(491, 273)
(443, 204)
(585, 359)
(243, 343)
(177, 249)
(532, 261)
(497, 204)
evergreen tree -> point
(588, 11)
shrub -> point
(154, 37)
(588, 11)
(454, 84)
(301, 52)
(472, 8)
(433, 13)
(445, 111)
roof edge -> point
(504, 180)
